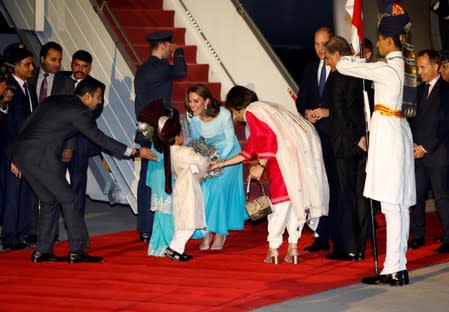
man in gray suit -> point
(37, 154)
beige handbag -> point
(259, 207)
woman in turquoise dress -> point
(224, 195)
(161, 204)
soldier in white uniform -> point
(390, 167)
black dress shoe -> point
(174, 255)
(15, 246)
(317, 246)
(438, 239)
(416, 243)
(341, 256)
(394, 279)
(75, 257)
(444, 248)
(46, 257)
(144, 237)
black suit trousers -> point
(48, 182)
(436, 177)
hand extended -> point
(143, 152)
(67, 155)
(15, 171)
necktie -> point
(426, 90)
(43, 91)
(322, 81)
(27, 96)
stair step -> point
(137, 34)
(143, 50)
(144, 17)
(180, 87)
(138, 4)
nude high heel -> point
(292, 254)
(218, 242)
(272, 256)
(205, 244)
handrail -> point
(261, 38)
(99, 8)
(209, 45)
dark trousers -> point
(345, 240)
(78, 175)
(144, 215)
(326, 227)
(18, 199)
(436, 177)
(54, 192)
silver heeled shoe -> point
(272, 256)
(218, 242)
(292, 254)
(205, 244)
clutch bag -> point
(259, 207)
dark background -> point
(289, 26)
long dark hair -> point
(212, 109)
(239, 98)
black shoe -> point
(16, 246)
(174, 255)
(438, 239)
(83, 257)
(46, 257)
(341, 256)
(144, 237)
(317, 246)
(416, 243)
(444, 248)
(394, 279)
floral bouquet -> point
(210, 153)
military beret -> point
(391, 25)
(444, 56)
(160, 36)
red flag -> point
(354, 9)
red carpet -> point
(235, 279)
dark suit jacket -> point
(87, 147)
(430, 126)
(347, 119)
(54, 121)
(309, 95)
(18, 111)
(62, 84)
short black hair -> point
(88, 86)
(368, 44)
(49, 45)
(82, 55)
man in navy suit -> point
(154, 80)
(78, 155)
(430, 130)
(313, 104)
(18, 198)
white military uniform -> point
(390, 168)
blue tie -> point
(322, 81)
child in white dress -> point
(187, 167)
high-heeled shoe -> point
(272, 256)
(218, 242)
(205, 244)
(292, 254)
